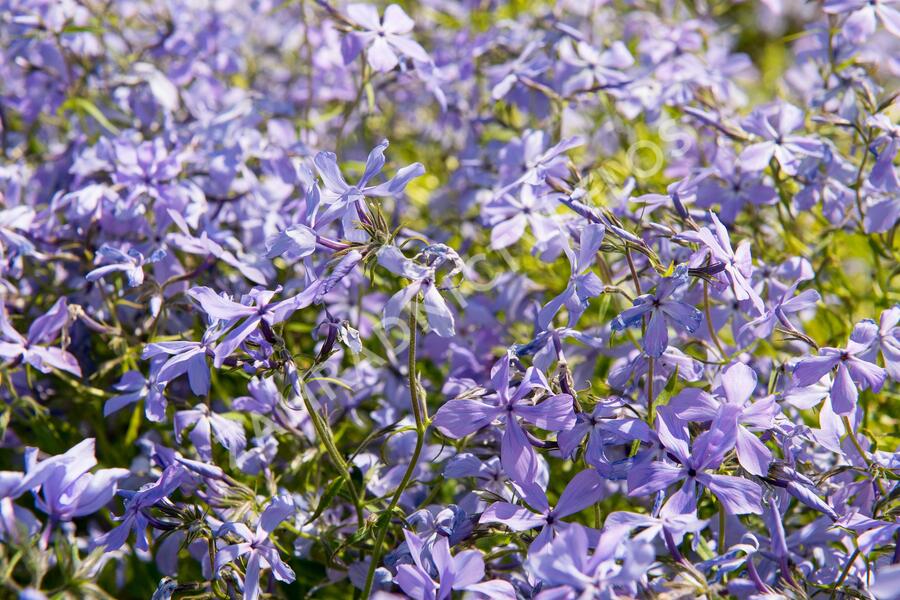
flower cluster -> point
(499, 299)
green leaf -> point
(325, 502)
(85, 106)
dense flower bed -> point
(495, 299)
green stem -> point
(709, 323)
(722, 547)
(634, 275)
(420, 414)
(324, 434)
(844, 574)
(651, 409)
(862, 453)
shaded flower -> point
(33, 348)
(583, 490)
(260, 553)
(662, 310)
(583, 283)
(131, 263)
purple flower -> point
(774, 125)
(662, 310)
(180, 357)
(266, 399)
(70, 490)
(679, 195)
(583, 283)
(229, 433)
(298, 240)
(12, 221)
(871, 532)
(583, 490)
(567, 568)
(13, 483)
(260, 553)
(382, 38)
(733, 188)
(784, 303)
(738, 385)
(131, 263)
(33, 349)
(461, 417)
(489, 473)
(671, 527)
(263, 310)
(737, 264)
(210, 244)
(136, 503)
(853, 373)
(883, 336)
(423, 279)
(863, 16)
(509, 214)
(526, 161)
(592, 67)
(132, 387)
(344, 200)
(463, 572)
(603, 427)
(886, 147)
(692, 465)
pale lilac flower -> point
(886, 147)
(344, 201)
(136, 503)
(583, 283)
(131, 388)
(853, 373)
(14, 220)
(884, 337)
(774, 125)
(70, 490)
(171, 360)
(594, 68)
(33, 348)
(567, 568)
(582, 491)
(737, 264)
(13, 483)
(131, 263)
(260, 553)
(228, 433)
(671, 528)
(382, 38)
(263, 310)
(784, 303)
(509, 214)
(604, 426)
(423, 278)
(528, 160)
(461, 417)
(863, 16)
(463, 572)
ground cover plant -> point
(445, 299)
